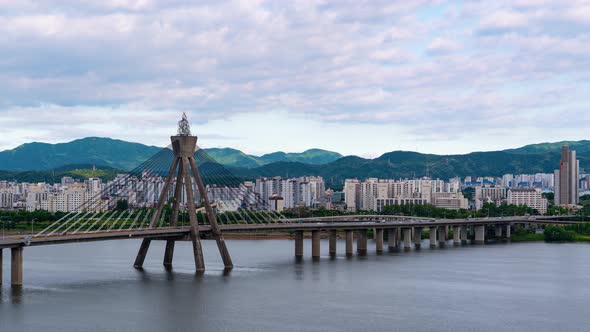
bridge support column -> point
(446, 232)
(432, 236)
(143, 250)
(1, 252)
(361, 242)
(463, 234)
(379, 241)
(456, 235)
(169, 254)
(298, 244)
(508, 230)
(315, 245)
(480, 234)
(333, 238)
(442, 236)
(407, 239)
(391, 239)
(498, 231)
(16, 267)
(349, 240)
(417, 237)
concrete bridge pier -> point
(407, 239)
(446, 232)
(432, 236)
(442, 236)
(333, 237)
(349, 240)
(361, 242)
(16, 268)
(508, 230)
(498, 231)
(315, 245)
(299, 245)
(456, 235)
(480, 234)
(463, 234)
(392, 239)
(379, 240)
(417, 237)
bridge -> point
(188, 178)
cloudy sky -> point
(357, 77)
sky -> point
(356, 77)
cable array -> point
(233, 201)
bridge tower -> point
(184, 146)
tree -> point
(558, 234)
(122, 205)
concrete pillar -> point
(456, 235)
(407, 239)
(361, 242)
(315, 245)
(349, 240)
(417, 237)
(498, 230)
(463, 234)
(143, 250)
(1, 252)
(442, 236)
(333, 237)
(379, 241)
(299, 244)
(432, 237)
(446, 232)
(508, 230)
(480, 234)
(398, 237)
(169, 254)
(16, 272)
(392, 239)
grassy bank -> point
(527, 237)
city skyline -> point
(357, 78)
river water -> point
(93, 287)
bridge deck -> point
(306, 224)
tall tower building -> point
(566, 178)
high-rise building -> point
(566, 178)
(352, 194)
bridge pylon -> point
(184, 146)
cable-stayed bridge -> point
(182, 194)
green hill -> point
(108, 154)
(579, 146)
(91, 150)
(126, 155)
(403, 164)
(81, 172)
(233, 157)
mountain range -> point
(535, 158)
(126, 155)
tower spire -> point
(184, 127)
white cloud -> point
(428, 66)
